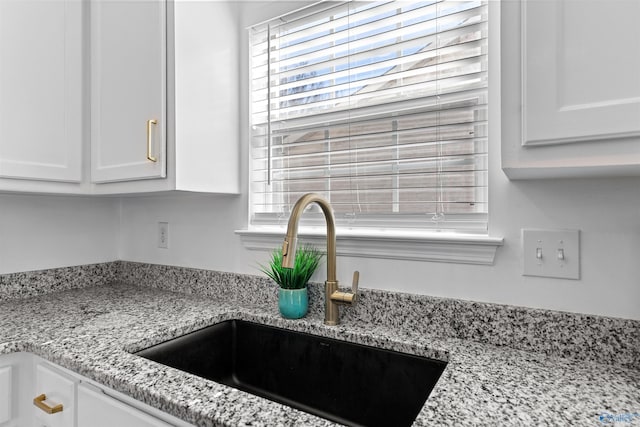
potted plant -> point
(293, 299)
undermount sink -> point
(348, 383)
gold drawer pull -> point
(39, 402)
(149, 155)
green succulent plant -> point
(307, 261)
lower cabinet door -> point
(55, 398)
(5, 393)
(96, 409)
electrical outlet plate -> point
(163, 235)
(551, 253)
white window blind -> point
(381, 107)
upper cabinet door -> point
(581, 70)
(41, 90)
(128, 90)
(570, 88)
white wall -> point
(607, 211)
(38, 232)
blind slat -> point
(431, 88)
(393, 77)
(340, 44)
(403, 108)
(380, 59)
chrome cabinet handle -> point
(39, 402)
(149, 154)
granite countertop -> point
(92, 330)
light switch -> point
(551, 253)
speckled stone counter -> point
(554, 333)
(92, 330)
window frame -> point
(401, 242)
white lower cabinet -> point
(37, 393)
(5, 393)
(16, 387)
(97, 409)
(54, 400)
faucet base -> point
(331, 313)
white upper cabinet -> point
(206, 90)
(176, 64)
(119, 96)
(587, 86)
(128, 85)
(41, 102)
(570, 88)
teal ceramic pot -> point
(293, 303)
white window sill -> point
(393, 244)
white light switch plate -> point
(551, 253)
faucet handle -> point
(354, 285)
(347, 298)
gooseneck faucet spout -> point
(333, 297)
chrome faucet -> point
(332, 296)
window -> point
(381, 107)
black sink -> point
(348, 383)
